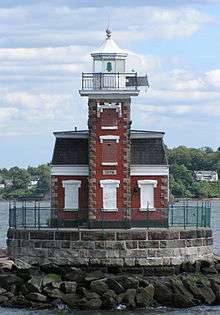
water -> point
(202, 310)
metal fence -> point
(27, 215)
(109, 81)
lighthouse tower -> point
(110, 175)
(109, 89)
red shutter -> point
(109, 151)
(109, 117)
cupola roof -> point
(109, 47)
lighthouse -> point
(110, 175)
(109, 189)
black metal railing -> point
(37, 216)
(109, 81)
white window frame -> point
(144, 185)
(109, 137)
(71, 194)
(109, 189)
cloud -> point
(44, 47)
(214, 77)
(63, 24)
(7, 113)
(35, 110)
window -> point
(109, 188)
(147, 194)
(71, 194)
(109, 149)
(109, 66)
(109, 118)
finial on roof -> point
(108, 33)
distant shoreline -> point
(46, 198)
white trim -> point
(147, 194)
(82, 135)
(134, 134)
(70, 170)
(109, 137)
(109, 127)
(147, 182)
(71, 182)
(136, 170)
(104, 182)
(116, 106)
(109, 188)
(147, 135)
(109, 163)
(113, 94)
(71, 194)
(154, 170)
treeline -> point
(32, 182)
(184, 162)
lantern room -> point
(109, 76)
(109, 58)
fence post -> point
(78, 219)
(148, 215)
(100, 80)
(15, 216)
(25, 215)
(38, 217)
(171, 214)
(184, 215)
(187, 213)
(197, 215)
(35, 214)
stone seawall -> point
(122, 248)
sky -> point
(46, 45)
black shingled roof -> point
(70, 151)
(148, 151)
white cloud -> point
(214, 77)
(7, 113)
(62, 25)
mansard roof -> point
(70, 151)
(71, 148)
(148, 151)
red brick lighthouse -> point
(109, 185)
(110, 174)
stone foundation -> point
(123, 248)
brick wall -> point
(160, 192)
(57, 191)
(96, 154)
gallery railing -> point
(36, 216)
(109, 81)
